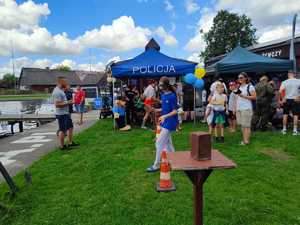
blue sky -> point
(53, 32)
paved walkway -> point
(19, 151)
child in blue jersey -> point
(168, 121)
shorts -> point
(291, 106)
(79, 108)
(148, 102)
(231, 115)
(219, 118)
(64, 122)
(244, 118)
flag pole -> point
(292, 46)
(194, 106)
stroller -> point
(106, 110)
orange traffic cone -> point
(165, 184)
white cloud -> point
(19, 63)
(168, 5)
(122, 35)
(195, 58)
(168, 38)
(270, 17)
(19, 26)
(23, 16)
(191, 6)
(197, 43)
(278, 32)
(43, 63)
(99, 66)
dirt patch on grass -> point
(277, 154)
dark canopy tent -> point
(242, 60)
(152, 63)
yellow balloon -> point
(200, 73)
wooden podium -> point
(199, 170)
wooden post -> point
(8, 179)
(198, 179)
(21, 126)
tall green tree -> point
(9, 80)
(63, 68)
(228, 31)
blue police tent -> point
(242, 60)
(152, 63)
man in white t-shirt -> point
(290, 100)
(244, 109)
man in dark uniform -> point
(264, 95)
(130, 108)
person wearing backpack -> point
(264, 94)
(244, 107)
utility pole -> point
(13, 64)
(90, 59)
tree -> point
(63, 68)
(9, 80)
(228, 31)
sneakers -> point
(152, 169)
(219, 139)
(64, 148)
(144, 127)
(243, 143)
(74, 144)
(295, 132)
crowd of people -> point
(263, 106)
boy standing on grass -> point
(79, 100)
(219, 101)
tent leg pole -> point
(194, 106)
(113, 96)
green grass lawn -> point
(23, 97)
(104, 183)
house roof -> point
(35, 76)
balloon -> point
(190, 78)
(199, 84)
(200, 73)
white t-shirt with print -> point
(149, 92)
(221, 99)
(291, 87)
(243, 103)
(231, 102)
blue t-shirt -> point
(120, 110)
(169, 103)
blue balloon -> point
(199, 84)
(190, 78)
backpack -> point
(253, 102)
